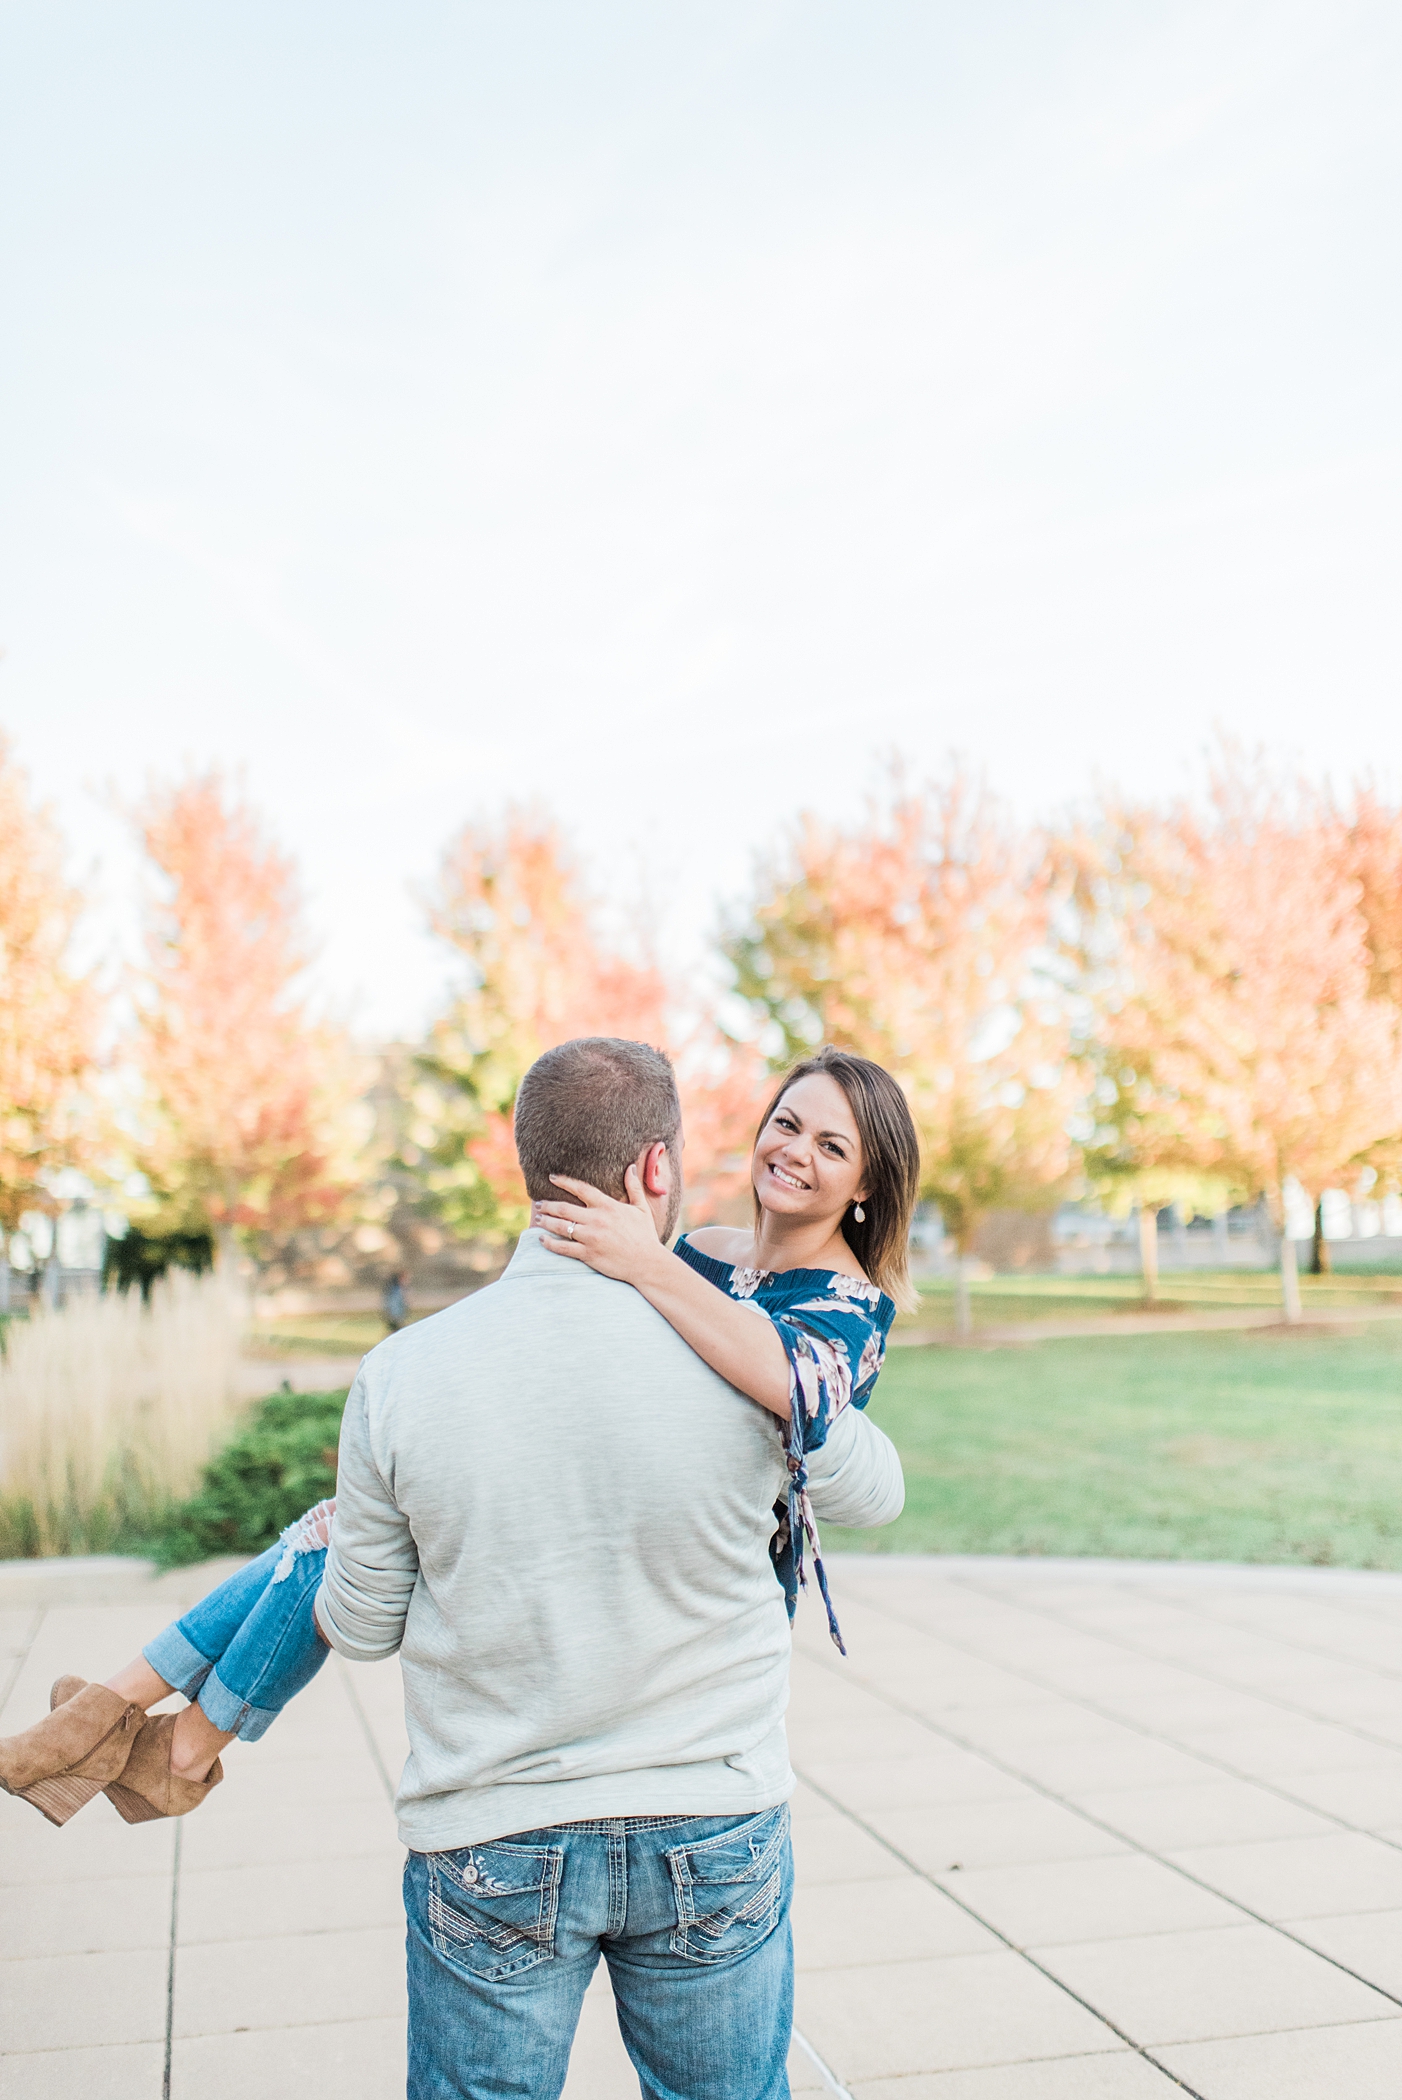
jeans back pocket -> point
(491, 1908)
(729, 1888)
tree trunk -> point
(1321, 1260)
(963, 1310)
(1289, 1278)
(1149, 1251)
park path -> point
(308, 1374)
(1065, 1831)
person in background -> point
(394, 1303)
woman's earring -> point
(860, 1215)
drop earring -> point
(860, 1215)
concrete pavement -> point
(1065, 1831)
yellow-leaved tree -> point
(922, 937)
(1245, 1027)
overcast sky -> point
(664, 412)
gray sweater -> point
(559, 1516)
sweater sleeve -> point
(372, 1563)
(856, 1477)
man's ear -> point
(656, 1170)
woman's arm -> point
(620, 1240)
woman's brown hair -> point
(891, 1154)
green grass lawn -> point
(1258, 1446)
(1017, 1298)
(1002, 1298)
(321, 1334)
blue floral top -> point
(834, 1330)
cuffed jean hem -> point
(177, 1660)
(180, 1663)
(231, 1714)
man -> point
(560, 1518)
(394, 1302)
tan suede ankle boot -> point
(63, 1760)
(148, 1788)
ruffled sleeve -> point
(834, 1336)
(835, 1341)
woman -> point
(835, 1172)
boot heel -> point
(132, 1808)
(62, 1761)
(61, 1797)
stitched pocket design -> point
(491, 1908)
(728, 1888)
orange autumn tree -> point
(247, 1099)
(1242, 1028)
(539, 969)
(48, 1011)
(510, 901)
(922, 938)
(724, 1086)
(1370, 831)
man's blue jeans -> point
(690, 1913)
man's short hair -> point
(588, 1108)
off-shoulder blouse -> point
(833, 1328)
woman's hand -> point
(617, 1239)
(620, 1240)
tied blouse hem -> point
(833, 1328)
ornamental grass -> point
(110, 1408)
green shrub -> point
(281, 1462)
(140, 1258)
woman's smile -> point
(810, 1148)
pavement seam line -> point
(1298, 1647)
(1173, 1662)
(22, 1658)
(825, 2072)
(1285, 1706)
(1111, 1830)
(1011, 1945)
(1107, 1713)
(1212, 1676)
(1136, 1844)
(385, 1781)
(170, 1962)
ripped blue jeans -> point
(252, 1644)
